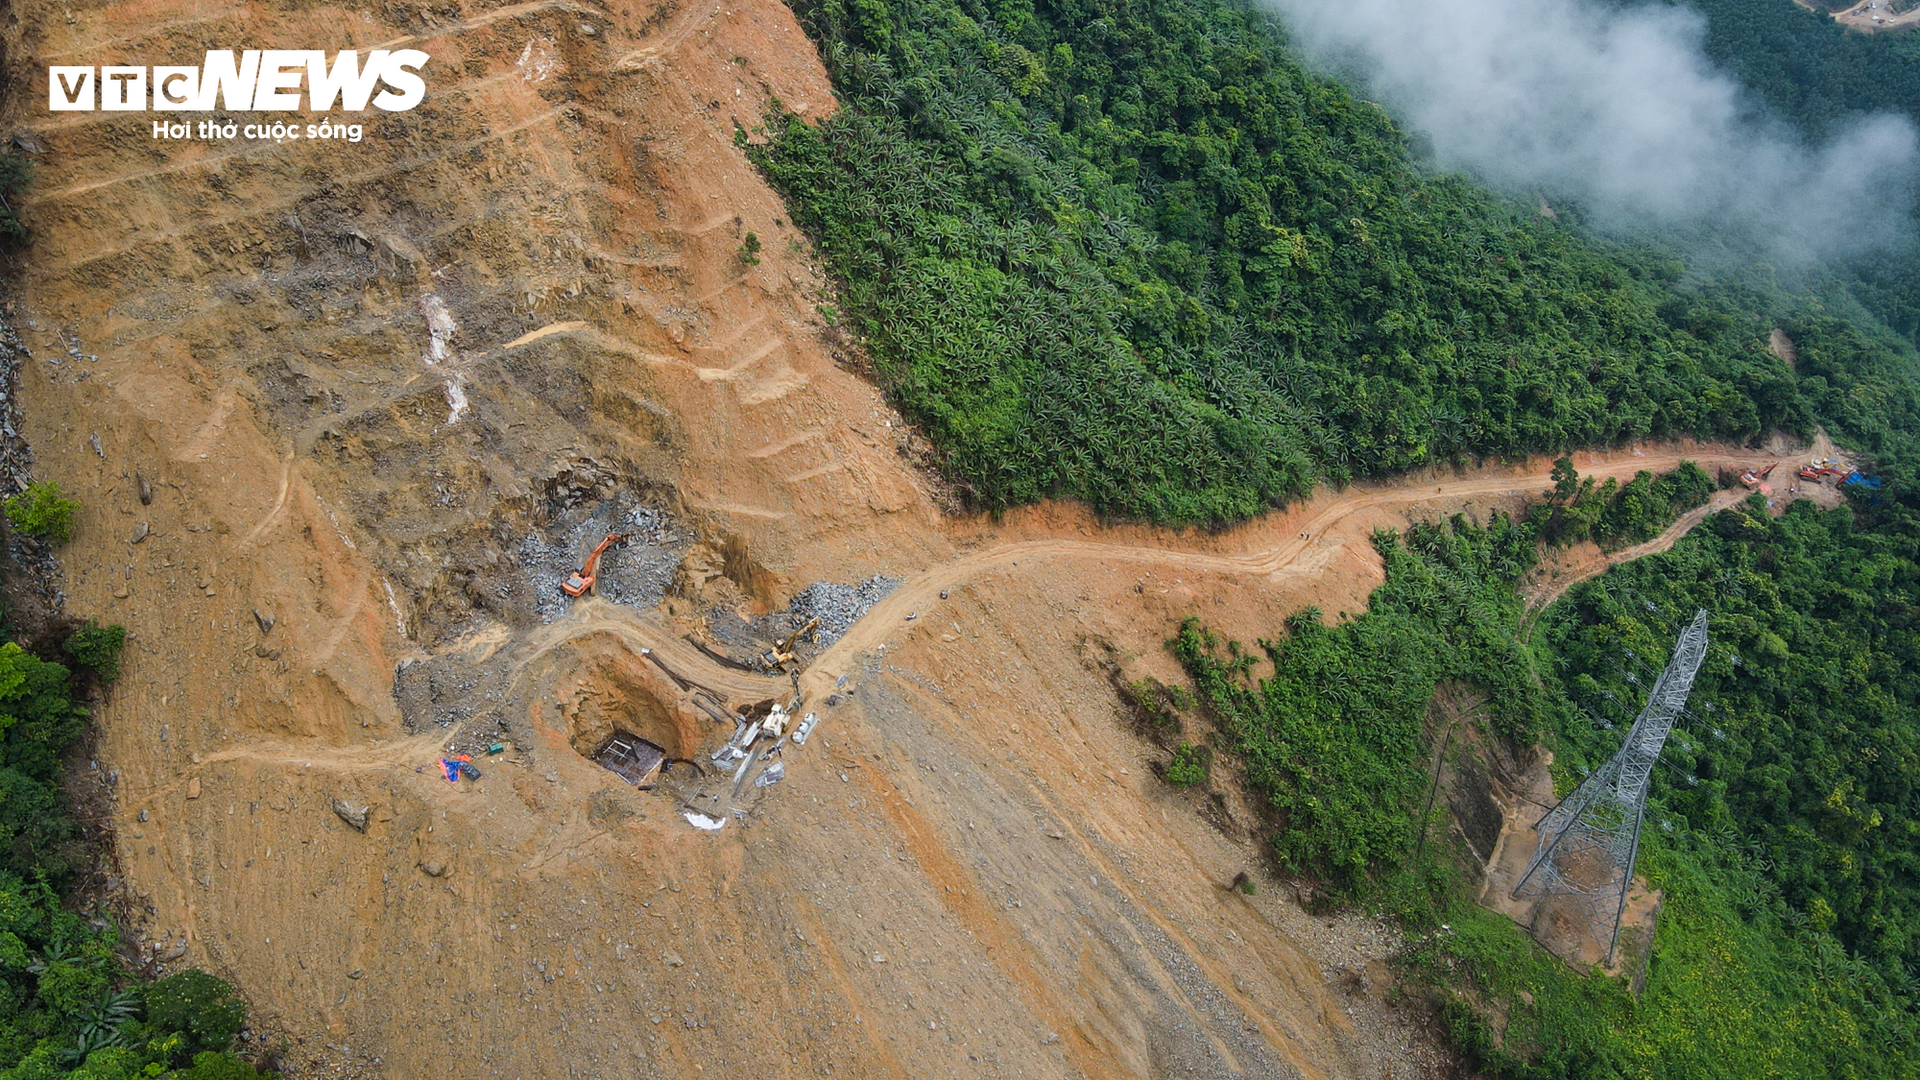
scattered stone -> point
(265, 619)
(121, 594)
(93, 440)
(355, 816)
(146, 489)
(140, 532)
(636, 573)
(356, 973)
(193, 788)
(141, 816)
(673, 959)
(265, 653)
(838, 606)
(433, 868)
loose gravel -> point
(635, 572)
(838, 606)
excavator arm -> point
(580, 581)
(778, 657)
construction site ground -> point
(339, 417)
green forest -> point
(1807, 67)
(1782, 833)
(1819, 77)
(1135, 254)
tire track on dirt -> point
(1293, 555)
(1329, 533)
(1721, 500)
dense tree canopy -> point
(1818, 76)
(1782, 831)
(1135, 254)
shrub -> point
(208, 1065)
(198, 1005)
(749, 252)
(98, 647)
(41, 511)
(1189, 765)
(1153, 705)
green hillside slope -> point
(1133, 253)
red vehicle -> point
(580, 581)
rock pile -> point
(839, 606)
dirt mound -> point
(359, 406)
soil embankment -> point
(331, 410)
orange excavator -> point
(581, 580)
(1753, 477)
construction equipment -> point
(1752, 478)
(778, 657)
(1816, 470)
(581, 580)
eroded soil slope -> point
(337, 414)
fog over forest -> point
(1619, 109)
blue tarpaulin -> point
(1870, 482)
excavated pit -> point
(600, 688)
(630, 757)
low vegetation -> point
(41, 511)
(1782, 836)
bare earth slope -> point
(356, 381)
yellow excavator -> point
(778, 657)
(580, 581)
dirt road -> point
(1334, 536)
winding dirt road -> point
(1335, 526)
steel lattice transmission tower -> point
(1589, 841)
